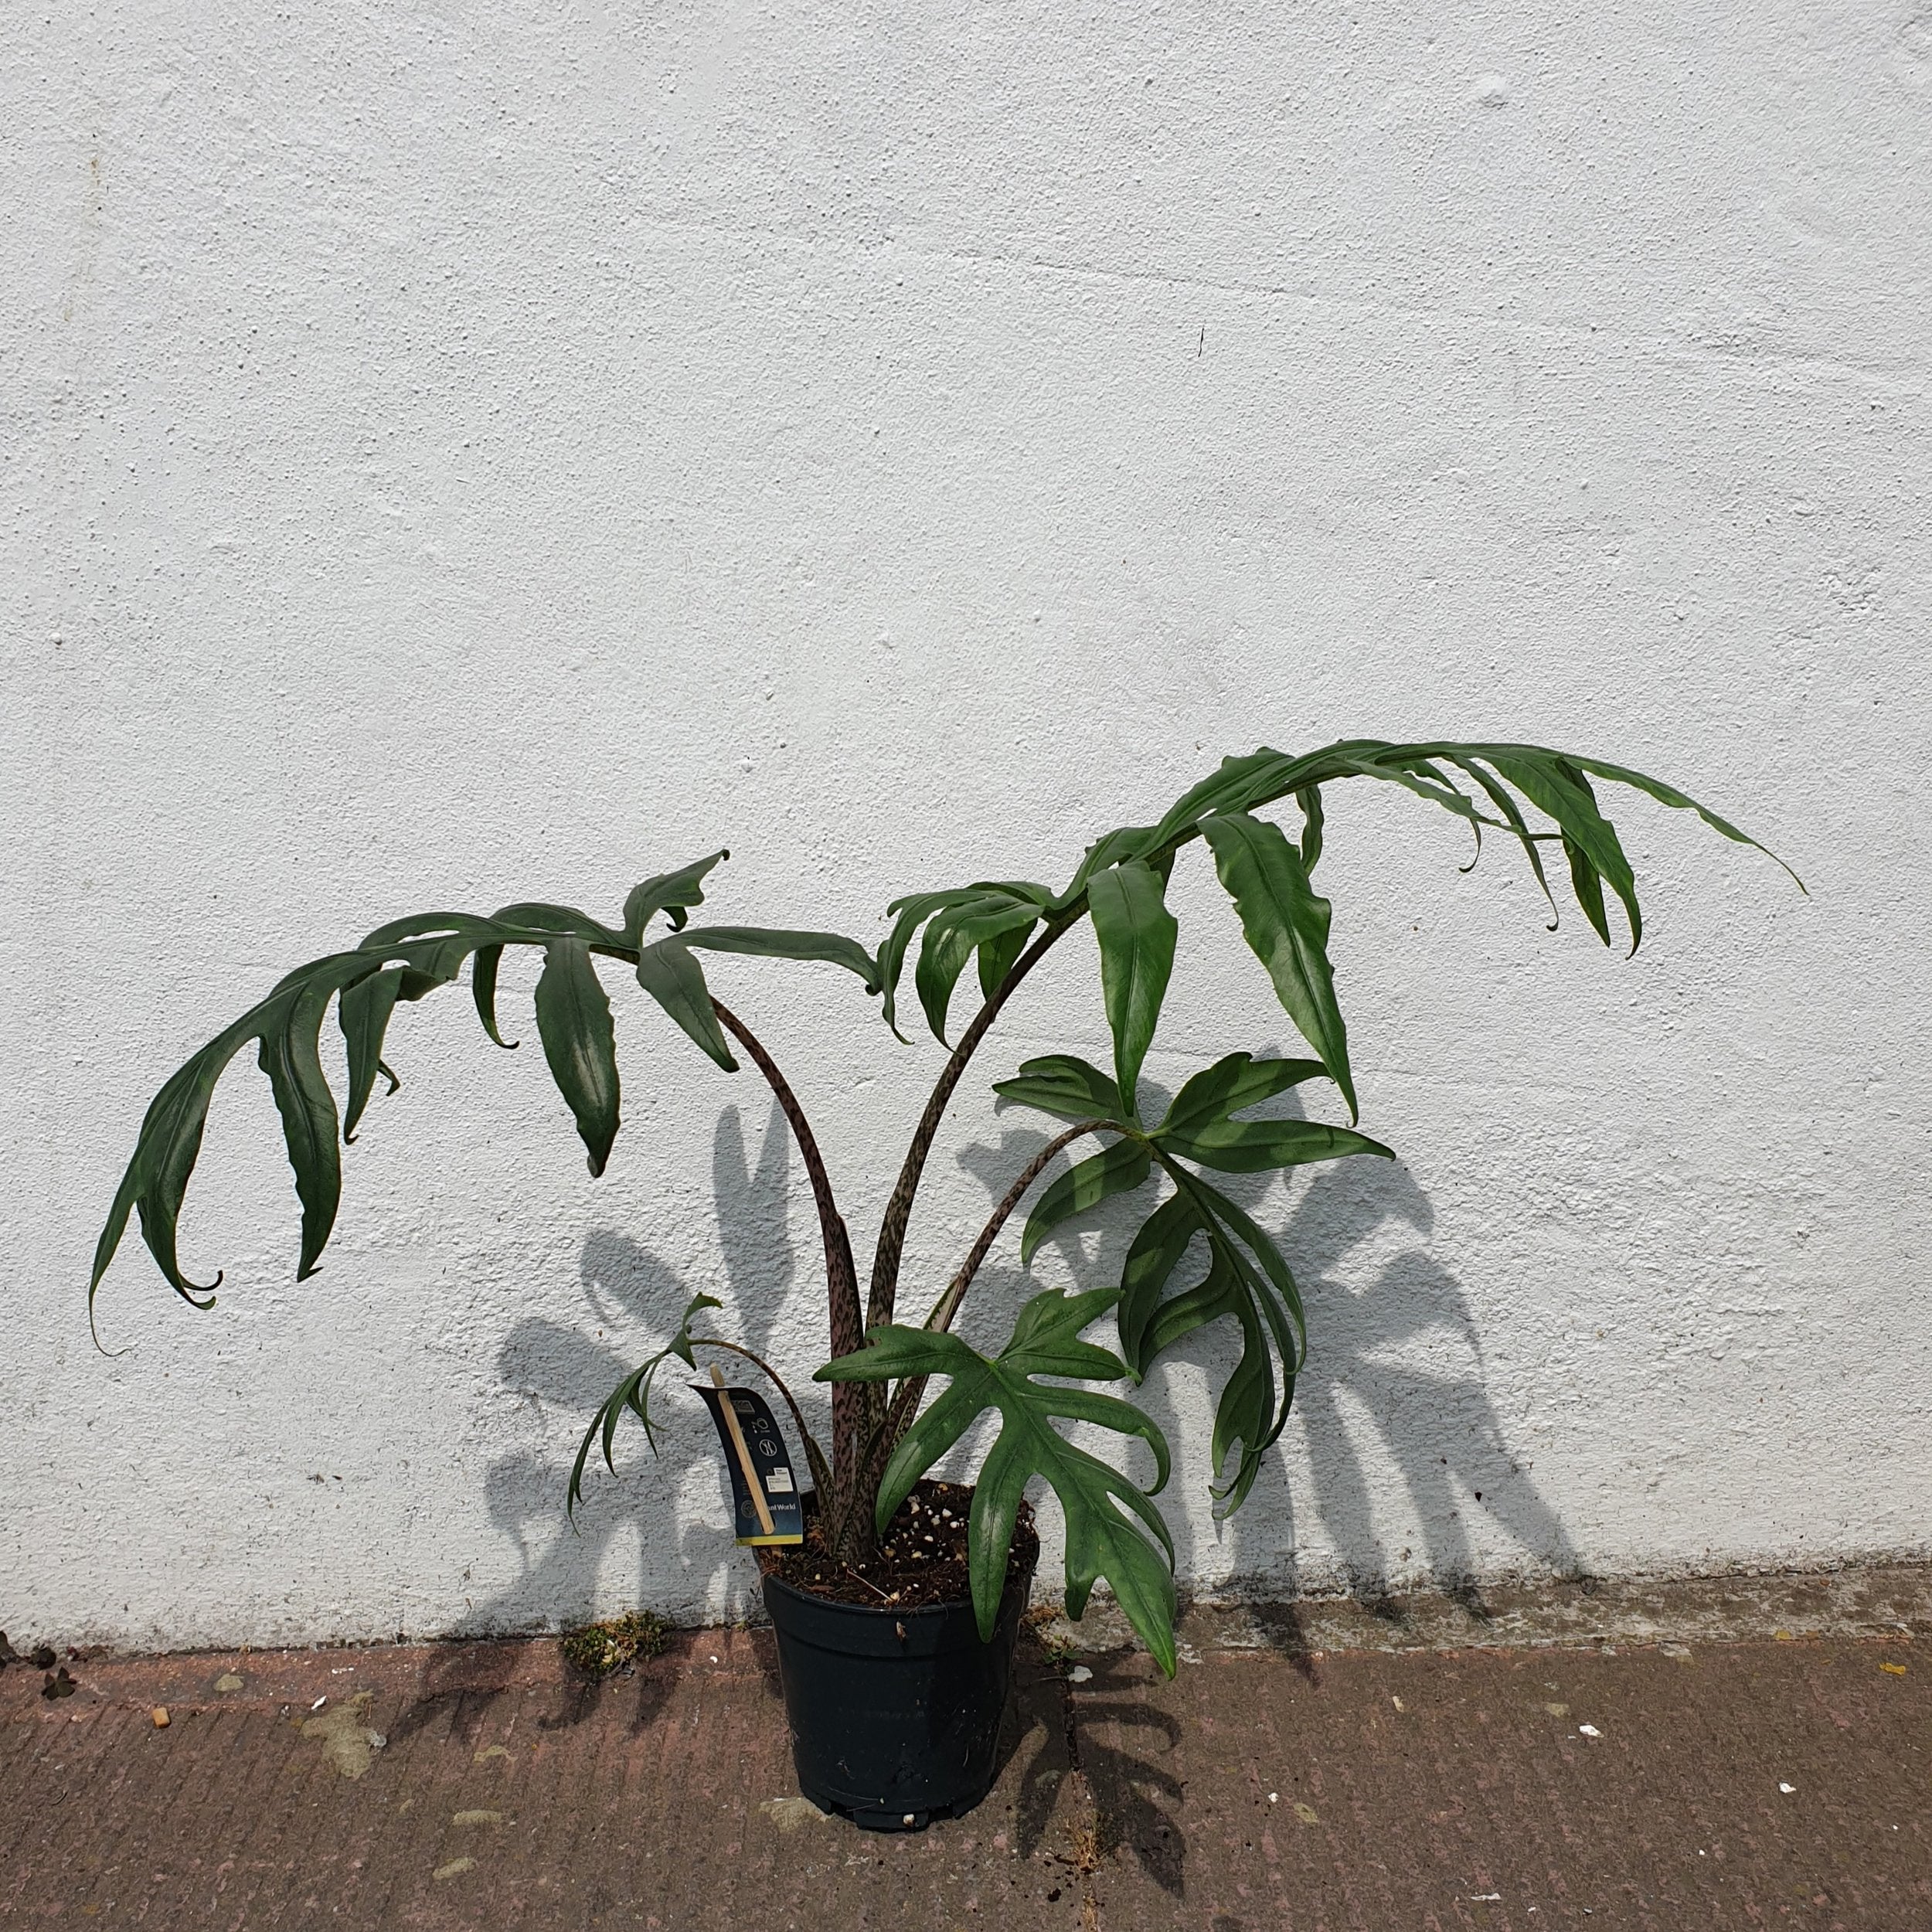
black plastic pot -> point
(895, 1715)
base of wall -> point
(1856, 1600)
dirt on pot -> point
(921, 1560)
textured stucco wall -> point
(456, 455)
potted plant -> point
(897, 1615)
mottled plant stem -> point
(856, 1406)
(899, 1208)
(906, 1398)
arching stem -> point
(856, 1406)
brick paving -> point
(1272, 1784)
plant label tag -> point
(765, 1492)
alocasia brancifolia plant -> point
(1198, 1257)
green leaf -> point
(908, 914)
(1313, 818)
(1499, 796)
(1164, 1237)
(1111, 849)
(1286, 924)
(1236, 1081)
(1256, 1147)
(483, 988)
(472, 925)
(1062, 1084)
(634, 1393)
(1137, 933)
(999, 955)
(1237, 785)
(539, 916)
(1119, 1169)
(431, 963)
(953, 935)
(573, 1019)
(364, 1015)
(770, 943)
(164, 1157)
(673, 893)
(290, 1056)
(1555, 786)
(1246, 1263)
(1669, 795)
(1113, 1529)
(667, 971)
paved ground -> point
(1313, 1767)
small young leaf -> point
(634, 1393)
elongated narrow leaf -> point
(771, 943)
(573, 1020)
(472, 925)
(1498, 795)
(364, 1014)
(908, 915)
(1587, 883)
(290, 1056)
(1669, 795)
(163, 1158)
(999, 955)
(1111, 849)
(1257, 1147)
(1286, 923)
(1236, 1081)
(1313, 819)
(667, 972)
(673, 893)
(1164, 1237)
(1113, 1529)
(539, 916)
(1063, 1084)
(952, 935)
(1236, 785)
(1119, 1169)
(483, 974)
(1137, 933)
(1561, 791)
(634, 1393)
(1247, 1268)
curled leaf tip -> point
(112, 1355)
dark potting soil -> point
(921, 1559)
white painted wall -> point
(453, 454)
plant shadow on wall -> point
(1398, 1346)
(634, 1298)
